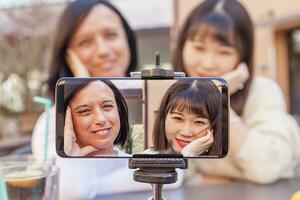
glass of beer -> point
(28, 178)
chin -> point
(104, 146)
(177, 149)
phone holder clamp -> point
(157, 71)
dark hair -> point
(200, 97)
(232, 26)
(69, 21)
(72, 87)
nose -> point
(102, 46)
(187, 131)
(99, 117)
(208, 61)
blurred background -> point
(27, 26)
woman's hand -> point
(71, 147)
(76, 66)
(198, 146)
(237, 78)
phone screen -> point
(123, 117)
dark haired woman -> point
(189, 119)
(96, 119)
(216, 40)
(92, 39)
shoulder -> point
(150, 151)
(263, 84)
(37, 141)
(259, 81)
(121, 153)
(264, 92)
(41, 122)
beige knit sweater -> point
(271, 148)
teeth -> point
(103, 132)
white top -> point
(272, 145)
(87, 178)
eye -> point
(108, 107)
(176, 118)
(226, 51)
(199, 122)
(199, 47)
(84, 112)
(111, 35)
(85, 42)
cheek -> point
(202, 133)
(122, 52)
(226, 65)
(189, 56)
(191, 59)
(85, 55)
(81, 125)
(171, 128)
(113, 118)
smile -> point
(182, 143)
(102, 132)
(206, 74)
(106, 64)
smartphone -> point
(126, 117)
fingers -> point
(68, 121)
(75, 64)
(208, 138)
(243, 73)
(205, 142)
(199, 145)
(87, 150)
(237, 78)
(71, 147)
(69, 134)
(77, 151)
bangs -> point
(190, 102)
(218, 27)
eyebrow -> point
(107, 101)
(81, 37)
(197, 116)
(81, 106)
(88, 34)
(103, 102)
(174, 112)
(202, 119)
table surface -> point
(280, 190)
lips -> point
(106, 64)
(201, 74)
(102, 132)
(182, 143)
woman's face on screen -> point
(95, 117)
(183, 127)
